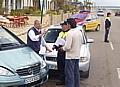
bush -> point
(27, 11)
(54, 12)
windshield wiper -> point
(7, 45)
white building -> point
(20, 4)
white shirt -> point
(34, 37)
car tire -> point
(98, 28)
(85, 74)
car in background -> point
(88, 20)
(100, 13)
(117, 13)
(51, 57)
(20, 66)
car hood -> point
(16, 58)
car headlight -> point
(43, 64)
(5, 72)
(83, 59)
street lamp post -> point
(42, 11)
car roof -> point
(57, 26)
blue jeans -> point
(72, 74)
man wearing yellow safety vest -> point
(61, 54)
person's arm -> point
(34, 37)
(43, 42)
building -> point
(21, 4)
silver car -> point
(19, 64)
(50, 57)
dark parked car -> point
(19, 64)
(117, 14)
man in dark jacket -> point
(35, 37)
(61, 54)
(107, 27)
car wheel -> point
(98, 28)
(84, 74)
(84, 27)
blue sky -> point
(106, 2)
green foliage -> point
(1, 1)
(67, 8)
(54, 12)
(26, 11)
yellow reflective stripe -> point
(63, 34)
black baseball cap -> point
(64, 23)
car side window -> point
(89, 18)
(94, 17)
(84, 37)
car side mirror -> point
(88, 19)
(90, 40)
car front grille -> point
(51, 59)
(32, 70)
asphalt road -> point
(105, 59)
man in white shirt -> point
(72, 47)
(35, 37)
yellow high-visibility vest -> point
(62, 34)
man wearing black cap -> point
(61, 54)
(72, 48)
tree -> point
(59, 3)
(1, 2)
(1, 8)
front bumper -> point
(84, 66)
(17, 81)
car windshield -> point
(79, 16)
(7, 39)
(100, 11)
(51, 35)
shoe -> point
(60, 83)
(107, 41)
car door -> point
(85, 52)
(95, 21)
(89, 22)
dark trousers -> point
(106, 34)
(72, 74)
(61, 65)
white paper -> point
(60, 41)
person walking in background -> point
(61, 54)
(107, 27)
(35, 37)
(72, 47)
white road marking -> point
(111, 45)
(118, 70)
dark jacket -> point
(35, 45)
(107, 23)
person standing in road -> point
(35, 37)
(72, 47)
(107, 27)
(61, 54)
